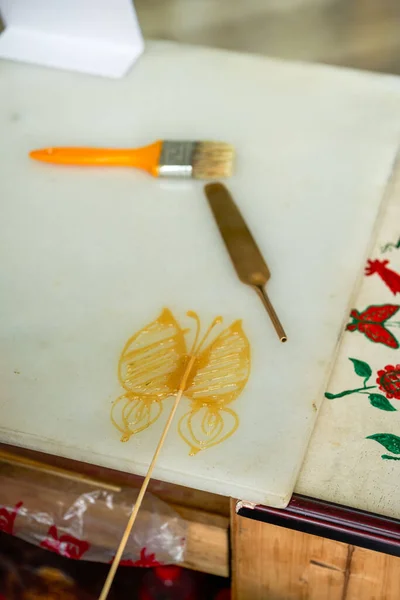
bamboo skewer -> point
(142, 491)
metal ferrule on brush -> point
(176, 159)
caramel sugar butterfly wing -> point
(131, 414)
(149, 369)
(219, 375)
(152, 360)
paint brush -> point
(181, 159)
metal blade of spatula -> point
(247, 259)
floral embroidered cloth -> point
(354, 454)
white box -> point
(101, 37)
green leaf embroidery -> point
(330, 396)
(388, 457)
(391, 246)
(361, 368)
(380, 402)
(388, 440)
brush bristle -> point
(212, 160)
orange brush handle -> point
(146, 158)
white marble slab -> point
(90, 256)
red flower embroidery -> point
(388, 381)
(64, 545)
(145, 560)
(391, 278)
(7, 518)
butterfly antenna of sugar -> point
(198, 346)
(192, 315)
(142, 491)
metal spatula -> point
(243, 250)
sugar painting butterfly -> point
(151, 367)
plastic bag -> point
(82, 523)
